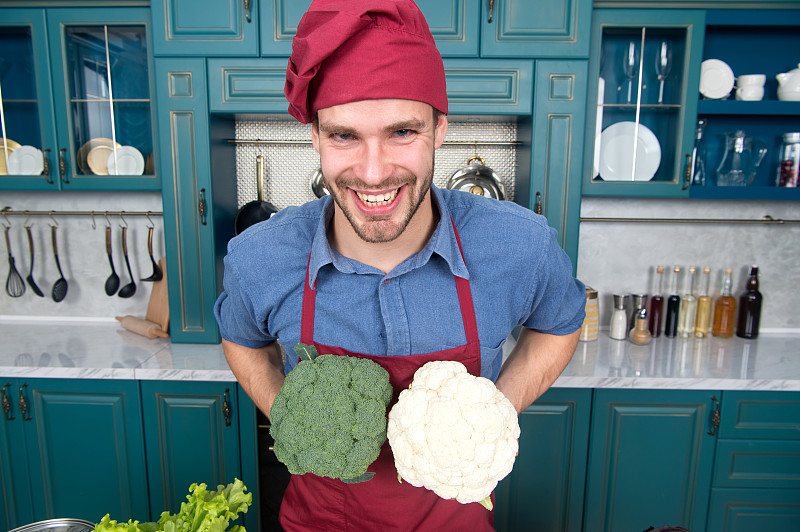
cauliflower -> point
(453, 433)
(329, 417)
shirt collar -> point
(443, 242)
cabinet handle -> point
(688, 173)
(46, 165)
(715, 418)
(226, 408)
(7, 404)
(23, 404)
(201, 206)
(247, 10)
(538, 209)
(62, 164)
(491, 10)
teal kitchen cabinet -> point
(205, 27)
(191, 434)
(545, 489)
(650, 459)
(183, 126)
(76, 100)
(72, 448)
(756, 482)
(750, 42)
(645, 74)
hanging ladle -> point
(59, 291)
(157, 273)
(129, 289)
(31, 281)
(112, 283)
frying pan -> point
(257, 210)
(318, 184)
(477, 178)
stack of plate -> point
(22, 160)
(102, 156)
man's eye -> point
(342, 137)
(403, 132)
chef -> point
(388, 266)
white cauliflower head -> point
(453, 433)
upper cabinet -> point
(462, 28)
(75, 101)
(643, 89)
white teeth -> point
(378, 199)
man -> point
(390, 266)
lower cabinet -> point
(71, 448)
(545, 489)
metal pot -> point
(477, 178)
(318, 184)
(258, 210)
(57, 525)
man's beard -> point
(375, 230)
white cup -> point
(750, 93)
(751, 80)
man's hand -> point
(259, 371)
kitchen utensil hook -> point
(25, 223)
(7, 223)
(55, 222)
(108, 222)
(94, 224)
(147, 215)
(121, 217)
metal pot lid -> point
(477, 178)
(318, 185)
(58, 525)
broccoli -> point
(329, 418)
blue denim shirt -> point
(518, 275)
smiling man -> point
(390, 267)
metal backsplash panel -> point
(288, 167)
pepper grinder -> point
(618, 330)
(640, 335)
(639, 304)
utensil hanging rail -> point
(445, 143)
(764, 220)
(8, 211)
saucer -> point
(716, 79)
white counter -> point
(103, 350)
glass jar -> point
(590, 326)
(789, 166)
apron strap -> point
(462, 287)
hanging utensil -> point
(59, 291)
(157, 274)
(31, 282)
(129, 289)
(318, 184)
(15, 286)
(258, 210)
(112, 283)
(477, 178)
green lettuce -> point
(205, 511)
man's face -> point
(377, 159)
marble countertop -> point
(95, 349)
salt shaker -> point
(618, 329)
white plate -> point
(598, 126)
(26, 160)
(716, 79)
(129, 161)
(616, 153)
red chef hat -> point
(351, 50)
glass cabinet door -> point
(26, 128)
(642, 63)
(108, 82)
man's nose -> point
(375, 164)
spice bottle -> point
(724, 309)
(702, 326)
(618, 329)
(749, 307)
(789, 166)
(640, 335)
(639, 303)
(673, 305)
(589, 328)
(656, 305)
(688, 307)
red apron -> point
(319, 503)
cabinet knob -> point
(247, 10)
(7, 404)
(538, 209)
(491, 10)
(46, 165)
(226, 408)
(688, 173)
(62, 164)
(201, 206)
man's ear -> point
(440, 131)
(315, 135)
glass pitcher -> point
(738, 166)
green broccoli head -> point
(329, 418)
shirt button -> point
(386, 281)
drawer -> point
(760, 415)
(757, 464)
(753, 510)
(247, 86)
